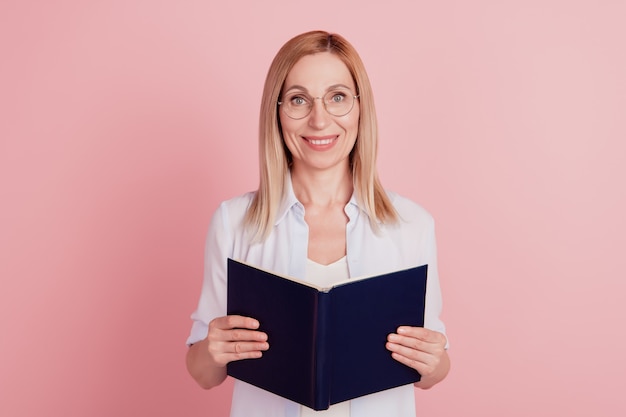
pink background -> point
(124, 123)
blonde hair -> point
(274, 157)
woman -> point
(320, 214)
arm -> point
(229, 338)
(201, 366)
(216, 338)
(423, 350)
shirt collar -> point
(290, 202)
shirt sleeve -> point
(434, 303)
(212, 301)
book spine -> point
(323, 361)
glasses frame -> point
(354, 97)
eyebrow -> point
(332, 87)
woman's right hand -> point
(232, 338)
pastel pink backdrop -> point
(125, 123)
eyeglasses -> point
(298, 105)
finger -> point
(237, 342)
(422, 363)
(246, 347)
(408, 352)
(421, 367)
(405, 345)
(415, 353)
(225, 352)
(411, 342)
(233, 322)
(244, 335)
(225, 358)
(246, 350)
(422, 333)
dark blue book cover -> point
(327, 345)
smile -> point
(327, 140)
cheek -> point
(353, 124)
(355, 115)
(287, 126)
(287, 131)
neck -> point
(324, 187)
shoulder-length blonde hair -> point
(274, 157)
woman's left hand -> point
(423, 350)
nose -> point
(319, 118)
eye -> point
(298, 100)
(337, 97)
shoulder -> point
(231, 212)
(409, 211)
(414, 231)
(238, 204)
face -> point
(320, 140)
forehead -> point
(318, 71)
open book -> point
(327, 345)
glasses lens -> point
(336, 102)
(297, 105)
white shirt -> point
(407, 244)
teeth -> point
(321, 141)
